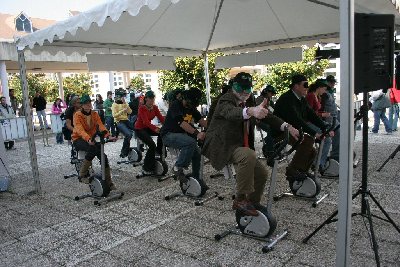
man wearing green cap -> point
(86, 123)
(227, 142)
(145, 129)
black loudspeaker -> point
(374, 52)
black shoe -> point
(123, 155)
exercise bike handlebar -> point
(282, 144)
(294, 146)
(101, 135)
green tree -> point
(279, 75)
(137, 83)
(190, 71)
(78, 84)
(47, 87)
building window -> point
(23, 24)
(332, 65)
(115, 83)
(96, 85)
(119, 78)
(148, 80)
(148, 75)
(120, 83)
(96, 76)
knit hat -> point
(149, 94)
(85, 99)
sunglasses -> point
(305, 84)
(240, 89)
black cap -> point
(268, 88)
(331, 79)
(243, 80)
(298, 78)
(193, 95)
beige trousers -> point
(251, 174)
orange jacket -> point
(84, 131)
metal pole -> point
(29, 124)
(60, 85)
(346, 132)
(111, 80)
(4, 81)
(207, 78)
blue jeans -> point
(59, 138)
(126, 129)
(394, 112)
(189, 151)
(42, 116)
(378, 116)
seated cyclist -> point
(86, 122)
(178, 132)
(121, 111)
(293, 108)
(145, 129)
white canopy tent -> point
(195, 27)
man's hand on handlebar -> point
(112, 139)
(294, 132)
(331, 133)
(201, 136)
(91, 142)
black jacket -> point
(297, 112)
(39, 103)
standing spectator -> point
(379, 104)
(134, 103)
(98, 106)
(39, 102)
(109, 119)
(394, 109)
(13, 101)
(6, 112)
(56, 109)
(74, 106)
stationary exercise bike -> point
(160, 169)
(135, 154)
(261, 227)
(331, 167)
(194, 188)
(304, 186)
(99, 189)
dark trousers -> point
(110, 125)
(150, 160)
(91, 150)
(303, 157)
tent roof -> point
(166, 27)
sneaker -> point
(389, 133)
(84, 180)
(123, 155)
(245, 206)
(147, 172)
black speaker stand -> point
(364, 192)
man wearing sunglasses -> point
(293, 108)
(227, 142)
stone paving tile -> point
(40, 261)
(43, 241)
(104, 260)
(70, 250)
(15, 254)
(133, 249)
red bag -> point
(394, 95)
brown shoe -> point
(245, 206)
(112, 187)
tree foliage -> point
(190, 71)
(279, 75)
(137, 83)
(48, 88)
(76, 83)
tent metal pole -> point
(206, 73)
(29, 123)
(346, 132)
(60, 86)
(207, 79)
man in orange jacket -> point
(85, 126)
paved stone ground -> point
(142, 229)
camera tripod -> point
(364, 192)
(389, 158)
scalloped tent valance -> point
(176, 27)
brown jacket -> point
(225, 133)
(85, 131)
